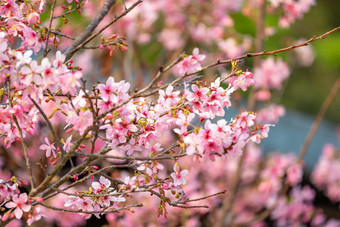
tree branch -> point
(90, 28)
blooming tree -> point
(138, 155)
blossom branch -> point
(79, 45)
(130, 157)
(315, 125)
(60, 165)
(54, 133)
(27, 159)
(90, 28)
(46, 50)
(62, 34)
(104, 211)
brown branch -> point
(129, 157)
(49, 29)
(60, 165)
(104, 211)
(77, 46)
(263, 53)
(328, 101)
(205, 197)
(54, 133)
(90, 28)
(226, 216)
(27, 159)
(66, 13)
(62, 34)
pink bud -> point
(75, 177)
(69, 130)
(165, 186)
(5, 217)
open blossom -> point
(23, 58)
(244, 81)
(169, 95)
(82, 121)
(33, 18)
(191, 64)
(271, 73)
(178, 175)
(67, 144)
(10, 8)
(49, 148)
(198, 93)
(36, 216)
(69, 82)
(102, 185)
(270, 114)
(19, 205)
(107, 91)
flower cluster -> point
(292, 10)
(271, 73)
(140, 142)
(100, 196)
(325, 175)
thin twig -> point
(130, 157)
(54, 133)
(83, 40)
(49, 29)
(27, 159)
(328, 101)
(226, 216)
(62, 34)
(90, 28)
(104, 211)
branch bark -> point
(90, 28)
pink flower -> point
(246, 120)
(67, 144)
(271, 73)
(199, 93)
(36, 216)
(69, 82)
(106, 91)
(178, 176)
(48, 148)
(48, 73)
(243, 81)
(169, 95)
(23, 58)
(82, 121)
(190, 64)
(19, 205)
(10, 8)
(31, 74)
(102, 185)
(33, 18)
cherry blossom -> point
(49, 148)
(178, 175)
(19, 203)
